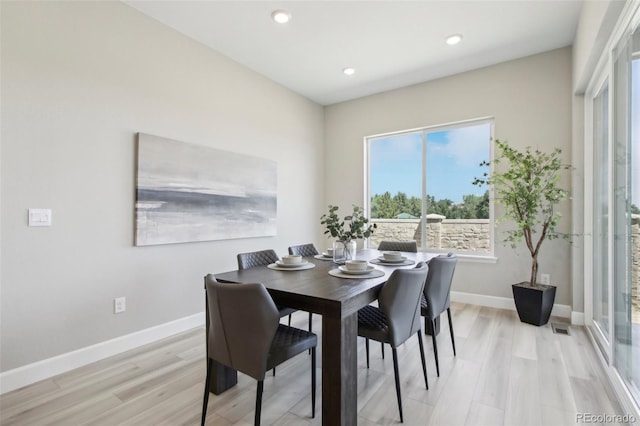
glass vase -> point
(343, 251)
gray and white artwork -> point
(187, 192)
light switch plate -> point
(40, 217)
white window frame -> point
(604, 71)
(475, 256)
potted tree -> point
(357, 226)
(528, 187)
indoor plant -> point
(528, 188)
(357, 226)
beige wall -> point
(79, 79)
(530, 99)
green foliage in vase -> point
(528, 188)
(351, 227)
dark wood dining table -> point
(338, 301)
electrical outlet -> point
(119, 305)
(545, 279)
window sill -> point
(472, 258)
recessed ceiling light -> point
(454, 39)
(349, 71)
(281, 16)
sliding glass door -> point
(625, 220)
(616, 216)
(601, 212)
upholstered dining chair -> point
(397, 318)
(245, 334)
(388, 245)
(304, 250)
(262, 258)
(409, 246)
(436, 297)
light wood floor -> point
(505, 373)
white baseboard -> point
(577, 318)
(25, 375)
(563, 311)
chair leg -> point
(366, 345)
(382, 349)
(205, 399)
(289, 320)
(397, 374)
(424, 363)
(453, 340)
(273, 372)
(313, 382)
(426, 326)
(435, 347)
(310, 319)
(258, 402)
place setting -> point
(356, 269)
(392, 258)
(326, 255)
(291, 263)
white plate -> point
(288, 265)
(302, 267)
(366, 271)
(327, 255)
(384, 259)
(383, 262)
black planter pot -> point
(534, 304)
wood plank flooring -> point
(505, 373)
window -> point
(420, 187)
(612, 255)
(601, 210)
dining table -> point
(337, 298)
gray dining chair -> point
(436, 297)
(245, 334)
(304, 250)
(388, 245)
(397, 318)
(408, 246)
(263, 258)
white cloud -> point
(467, 146)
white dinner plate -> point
(327, 255)
(295, 265)
(385, 260)
(346, 271)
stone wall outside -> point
(635, 266)
(458, 234)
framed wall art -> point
(187, 192)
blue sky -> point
(453, 158)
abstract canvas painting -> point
(187, 192)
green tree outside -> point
(386, 206)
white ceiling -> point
(391, 44)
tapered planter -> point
(534, 304)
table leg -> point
(340, 370)
(428, 329)
(222, 378)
